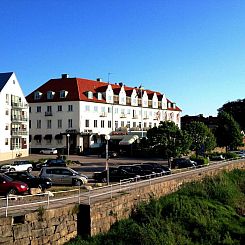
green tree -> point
(237, 110)
(202, 139)
(228, 132)
(168, 140)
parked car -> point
(111, 154)
(30, 180)
(50, 163)
(217, 158)
(49, 151)
(137, 170)
(183, 163)
(17, 166)
(9, 186)
(155, 170)
(63, 176)
(115, 175)
(166, 169)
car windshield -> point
(74, 172)
(6, 178)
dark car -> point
(115, 175)
(111, 154)
(30, 180)
(155, 170)
(10, 186)
(183, 163)
(144, 173)
(157, 165)
(50, 163)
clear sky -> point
(191, 50)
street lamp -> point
(107, 138)
(68, 145)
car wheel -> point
(29, 169)
(77, 182)
(11, 170)
(12, 191)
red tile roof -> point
(77, 89)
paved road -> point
(100, 193)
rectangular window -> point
(7, 112)
(59, 123)
(109, 124)
(145, 124)
(6, 141)
(116, 110)
(29, 123)
(102, 109)
(116, 124)
(59, 107)
(49, 124)
(155, 124)
(39, 108)
(128, 124)
(69, 123)
(102, 124)
(128, 111)
(109, 110)
(6, 127)
(150, 124)
(139, 124)
(29, 109)
(122, 124)
(49, 108)
(95, 123)
(7, 99)
(96, 108)
(134, 124)
(70, 107)
(87, 123)
(39, 124)
(87, 108)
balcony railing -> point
(19, 119)
(123, 115)
(19, 105)
(19, 132)
(48, 113)
(103, 114)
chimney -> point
(98, 79)
(65, 75)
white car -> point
(17, 166)
(49, 151)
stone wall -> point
(55, 226)
(99, 217)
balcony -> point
(103, 114)
(48, 113)
(19, 119)
(19, 105)
(123, 115)
(19, 133)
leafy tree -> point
(202, 139)
(237, 110)
(228, 132)
(168, 140)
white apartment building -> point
(14, 114)
(78, 113)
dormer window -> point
(90, 95)
(37, 95)
(99, 96)
(50, 95)
(63, 94)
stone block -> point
(49, 231)
(31, 217)
(22, 241)
(63, 232)
(5, 221)
(6, 240)
(39, 225)
(6, 231)
(21, 231)
(38, 233)
(54, 237)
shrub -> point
(199, 160)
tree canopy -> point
(202, 139)
(237, 110)
(168, 140)
(228, 132)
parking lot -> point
(88, 164)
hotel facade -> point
(78, 113)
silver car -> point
(63, 176)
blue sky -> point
(191, 50)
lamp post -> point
(107, 138)
(68, 145)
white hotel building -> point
(14, 118)
(79, 113)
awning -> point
(48, 136)
(58, 136)
(128, 139)
(37, 137)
